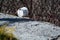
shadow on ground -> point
(15, 19)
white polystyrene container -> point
(22, 11)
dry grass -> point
(6, 35)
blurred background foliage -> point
(5, 35)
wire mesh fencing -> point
(44, 10)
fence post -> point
(1, 4)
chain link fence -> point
(44, 10)
(11, 6)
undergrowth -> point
(4, 35)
